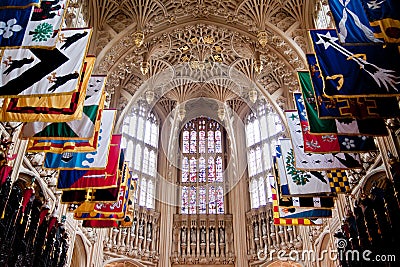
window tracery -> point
(201, 179)
(140, 133)
(263, 129)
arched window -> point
(263, 128)
(201, 179)
(140, 140)
(322, 19)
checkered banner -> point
(338, 181)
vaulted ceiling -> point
(204, 48)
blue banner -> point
(385, 17)
(4, 4)
(351, 22)
(378, 10)
(355, 71)
(361, 108)
(13, 24)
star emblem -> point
(326, 39)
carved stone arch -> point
(122, 49)
(27, 175)
(123, 262)
(142, 89)
(377, 176)
(80, 255)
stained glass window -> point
(185, 169)
(202, 142)
(193, 169)
(210, 142)
(218, 142)
(211, 169)
(220, 200)
(202, 170)
(263, 129)
(185, 143)
(185, 200)
(212, 209)
(322, 19)
(219, 169)
(138, 157)
(140, 139)
(193, 142)
(192, 200)
(202, 174)
(202, 200)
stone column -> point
(97, 256)
(168, 191)
(168, 196)
(238, 196)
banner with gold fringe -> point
(40, 72)
(81, 129)
(57, 108)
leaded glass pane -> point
(256, 128)
(269, 191)
(220, 200)
(140, 132)
(202, 200)
(218, 142)
(125, 126)
(193, 142)
(202, 142)
(185, 169)
(267, 156)
(263, 128)
(138, 157)
(212, 209)
(140, 137)
(185, 141)
(192, 200)
(254, 194)
(211, 169)
(145, 168)
(132, 126)
(185, 200)
(152, 164)
(129, 153)
(210, 139)
(258, 160)
(147, 134)
(193, 170)
(143, 191)
(219, 170)
(150, 198)
(154, 135)
(252, 162)
(250, 134)
(202, 170)
(261, 191)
